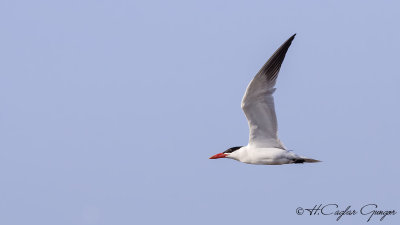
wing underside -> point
(258, 102)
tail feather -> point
(308, 160)
(305, 160)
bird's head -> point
(226, 153)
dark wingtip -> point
(292, 37)
(272, 66)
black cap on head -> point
(232, 149)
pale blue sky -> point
(109, 110)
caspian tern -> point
(264, 146)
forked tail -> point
(305, 160)
(308, 160)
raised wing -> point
(258, 102)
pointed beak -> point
(219, 155)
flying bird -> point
(264, 147)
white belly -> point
(263, 156)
